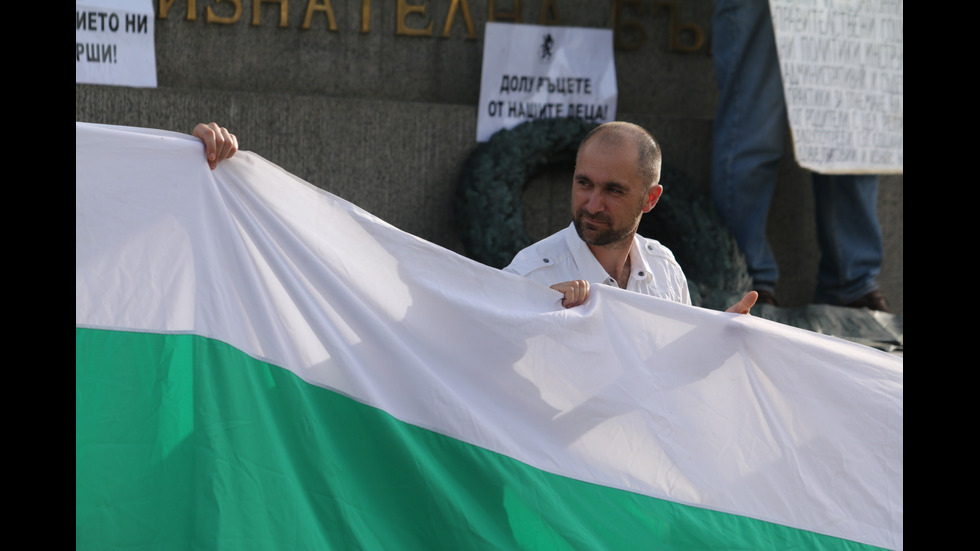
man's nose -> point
(595, 203)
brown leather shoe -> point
(872, 301)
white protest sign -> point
(114, 43)
(533, 71)
(842, 65)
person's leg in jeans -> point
(749, 131)
(850, 239)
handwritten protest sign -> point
(842, 66)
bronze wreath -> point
(489, 206)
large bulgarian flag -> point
(261, 365)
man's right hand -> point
(219, 143)
(576, 292)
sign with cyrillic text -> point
(842, 64)
(536, 72)
(114, 43)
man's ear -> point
(653, 195)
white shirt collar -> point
(592, 270)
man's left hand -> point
(745, 305)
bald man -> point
(616, 181)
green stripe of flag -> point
(183, 442)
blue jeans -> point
(750, 131)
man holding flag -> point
(617, 175)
